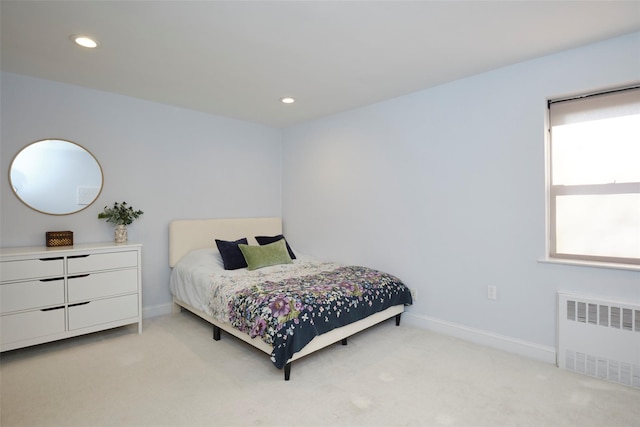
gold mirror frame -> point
(56, 177)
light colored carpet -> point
(174, 374)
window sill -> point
(593, 264)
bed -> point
(285, 304)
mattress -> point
(285, 305)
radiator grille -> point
(599, 338)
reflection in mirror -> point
(56, 177)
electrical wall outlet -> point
(414, 294)
(492, 292)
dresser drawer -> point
(31, 269)
(103, 311)
(96, 285)
(103, 261)
(31, 324)
(32, 294)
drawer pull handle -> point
(51, 259)
(52, 308)
(79, 256)
(79, 303)
(53, 279)
(78, 276)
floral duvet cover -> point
(287, 306)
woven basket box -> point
(59, 238)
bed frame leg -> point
(398, 317)
(287, 371)
(344, 341)
(216, 333)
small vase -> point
(121, 234)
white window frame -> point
(554, 191)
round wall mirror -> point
(56, 177)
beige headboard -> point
(186, 235)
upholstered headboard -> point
(186, 235)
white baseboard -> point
(157, 310)
(478, 336)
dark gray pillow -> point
(232, 257)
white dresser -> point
(47, 294)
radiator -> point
(599, 338)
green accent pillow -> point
(263, 256)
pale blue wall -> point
(446, 189)
(170, 162)
(443, 187)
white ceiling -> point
(238, 58)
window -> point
(594, 194)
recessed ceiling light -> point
(287, 100)
(85, 41)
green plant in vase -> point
(120, 215)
